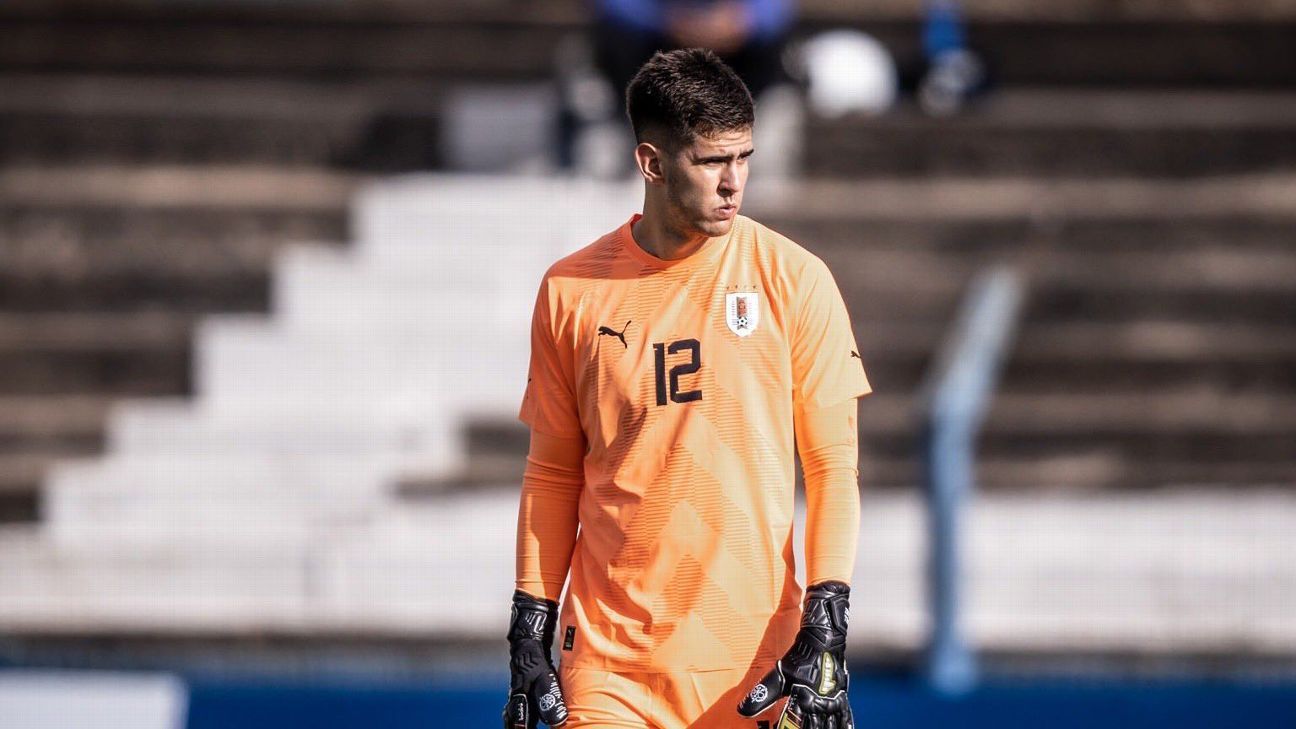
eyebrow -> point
(723, 157)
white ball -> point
(849, 71)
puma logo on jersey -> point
(619, 335)
(856, 355)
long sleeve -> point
(828, 381)
(827, 440)
(547, 514)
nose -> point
(730, 180)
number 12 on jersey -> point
(660, 350)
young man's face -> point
(705, 181)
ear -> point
(648, 158)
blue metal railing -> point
(952, 404)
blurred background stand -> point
(251, 396)
(952, 403)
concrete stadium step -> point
(1161, 413)
(392, 576)
(139, 353)
(213, 499)
(21, 476)
(412, 219)
(71, 422)
(1090, 42)
(1244, 201)
(1099, 470)
(1083, 440)
(1207, 252)
(1230, 221)
(1130, 356)
(1152, 356)
(481, 471)
(176, 428)
(1131, 44)
(1196, 426)
(1048, 132)
(246, 366)
(1264, 458)
(54, 118)
(1163, 428)
(1057, 302)
(939, 249)
(1049, 541)
(129, 590)
(379, 581)
(1213, 267)
(318, 42)
(35, 433)
(1039, 572)
(433, 294)
(1074, 11)
(1211, 284)
(229, 188)
(1232, 307)
(118, 238)
(1184, 238)
(1072, 471)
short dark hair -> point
(686, 93)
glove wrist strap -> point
(532, 619)
(826, 615)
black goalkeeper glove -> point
(533, 686)
(812, 674)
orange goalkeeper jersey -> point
(683, 377)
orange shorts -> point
(598, 699)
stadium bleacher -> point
(233, 341)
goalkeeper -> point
(678, 364)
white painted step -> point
(129, 589)
(442, 568)
(212, 499)
(248, 366)
(322, 293)
(177, 427)
(1184, 570)
(395, 216)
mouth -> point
(727, 211)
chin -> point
(716, 228)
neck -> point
(654, 233)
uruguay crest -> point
(742, 312)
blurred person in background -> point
(951, 72)
(749, 35)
